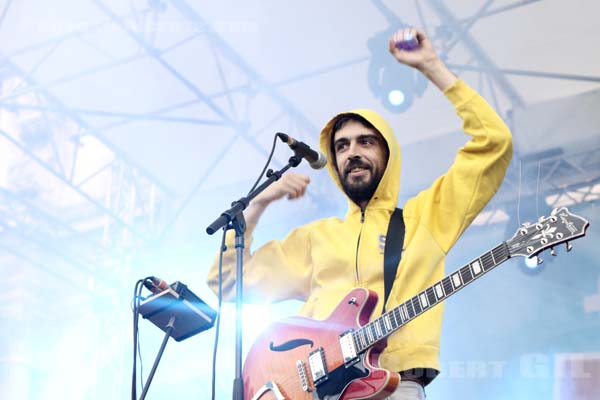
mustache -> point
(355, 163)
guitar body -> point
(271, 370)
(338, 358)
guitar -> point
(337, 358)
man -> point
(322, 261)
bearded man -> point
(319, 263)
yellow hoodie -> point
(322, 261)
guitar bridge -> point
(301, 367)
(318, 367)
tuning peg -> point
(569, 247)
(540, 219)
(539, 260)
(553, 252)
(554, 211)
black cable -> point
(137, 298)
(135, 304)
(266, 165)
(218, 321)
(141, 363)
(139, 346)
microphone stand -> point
(233, 218)
(168, 331)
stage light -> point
(532, 265)
(394, 84)
(531, 262)
(396, 97)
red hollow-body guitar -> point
(337, 359)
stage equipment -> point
(177, 311)
(316, 159)
(394, 84)
(233, 218)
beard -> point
(360, 189)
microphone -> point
(155, 285)
(316, 159)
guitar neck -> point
(394, 319)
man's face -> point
(361, 157)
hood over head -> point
(386, 194)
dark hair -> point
(341, 120)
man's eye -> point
(341, 146)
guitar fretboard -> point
(387, 323)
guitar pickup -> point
(318, 367)
(348, 347)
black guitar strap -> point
(392, 253)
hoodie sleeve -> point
(449, 206)
(278, 270)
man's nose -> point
(353, 150)
(352, 158)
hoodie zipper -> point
(362, 220)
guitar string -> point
(370, 327)
(488, 263)
(486, 259)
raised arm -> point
(454, 200)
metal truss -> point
(536, 184)
(107, 226)
(128, 206)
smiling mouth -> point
(356, 170)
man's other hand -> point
(292, 185)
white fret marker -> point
(423, 298)
(476, 267)
(439, 291)
(394, 318)
(456, 280)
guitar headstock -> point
(561, 226)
